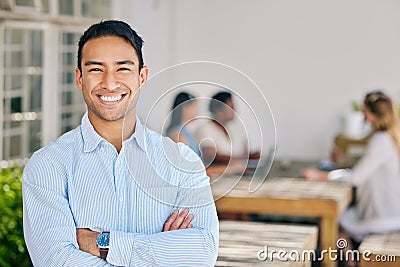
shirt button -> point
(121, 199)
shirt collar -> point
(91, 139)
(139, 134)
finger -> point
(190, 225)
(168, 223)
(186, 222)
(171, 219)
(178, 221)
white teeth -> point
(110, 98)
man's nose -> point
(110, 81)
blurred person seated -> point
(376, 175)
(184, 110)
(220, 146)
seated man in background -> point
(220, 145)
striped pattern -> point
(80, 181)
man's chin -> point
(111, 117)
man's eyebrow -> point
(87, 63)
(125, 62)
(122, 62)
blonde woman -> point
(376, 175)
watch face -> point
(103, 240)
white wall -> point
(310, 58)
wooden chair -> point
(384, 248)
(258, 244)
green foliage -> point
(356, 106)
(13, 251)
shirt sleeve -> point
(197, 246)
(49, 228)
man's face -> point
(229, 110)
(110, 78)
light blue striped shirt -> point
(80, 181)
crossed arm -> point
(87, 238)
(53, 240)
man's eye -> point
(94, 70)
(124, 69)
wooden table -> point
(240, 244)
(288, 196)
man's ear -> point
(78, 79)
(144, 74)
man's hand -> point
(178, 220)
(314, 175)
(87, 238)
(87, 241)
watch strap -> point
(103, 253)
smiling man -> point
(112, 192)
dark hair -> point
(176, 117)
(218, 100)
(112, 28)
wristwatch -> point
(103, 243)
